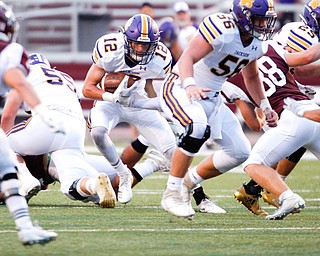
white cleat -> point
(173, 203)
(207, 206)
(161, 162)
(29, 185)
(36, 235)
(105, 191)
(288, 205)
(125, 190)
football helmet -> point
(36, 58)
(311, 16)
(256, 17)
(169, 31)
(141, 35)
(8, 24)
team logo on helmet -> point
(314, 3)
(247, 3)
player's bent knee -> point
(97, 134)
(12, 188)
(193, 137)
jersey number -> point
(224, 67)
(271, 75)
(110, 45)
(57, 78)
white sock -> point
(17, 205)
(285, 195)
(194, 176)
(145, 168)
(89, 186)
(121, 168)
(174, 183)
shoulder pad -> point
(107, 46)
(216, 25)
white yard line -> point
(171, 229)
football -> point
(111, 81)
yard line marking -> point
(237, 206)
(172, 229)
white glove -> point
(111, 97)
(294, 106)
(124, 99)
(308, 90)
(51, 118)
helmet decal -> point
(314, 3)
(247, 3)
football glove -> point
(51, 118)
(294, 106)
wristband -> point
(265, 104)
(189, 81)
(107, 96)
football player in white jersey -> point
(224, 45)
(135, 51)
(57, 91)
(13, 71)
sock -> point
(145, 168)
(252, 188)
(285, 195)
(283, 177)
(136, 174)
(194, 176)
(17, 205)
(174, 183)
(121, 168)
(199, 195)
(90, 186)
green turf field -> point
(143, 228)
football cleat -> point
(35, 235)
(125, 190)
(29, 185)
(173, 203)
(251, 202)
(207, 206)
(271, 199)
(288, 205)
(107, 196)
(162, 163)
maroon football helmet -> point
(8, 24)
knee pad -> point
(192, 144)
(296, 156)
(14, 190)
(74, 193)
